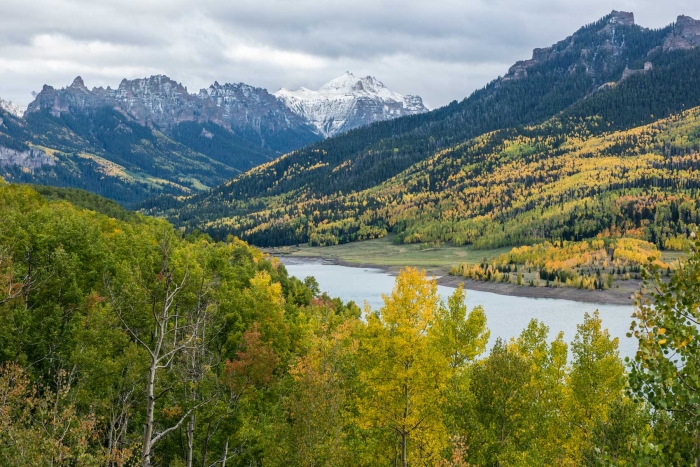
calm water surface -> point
(507, 316)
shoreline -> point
(602, 297)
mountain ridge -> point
(165, 103)
(151, 135)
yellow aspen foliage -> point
(404, 374)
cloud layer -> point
(441, 50)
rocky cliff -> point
(31, 159)
(685, 34)
(604, 48)
(597, 48)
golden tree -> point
(405, 374)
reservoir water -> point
(507, 316)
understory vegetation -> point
(123, 342)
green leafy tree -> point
(666, 368)
(461, 336)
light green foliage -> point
(666, 369)
(80, 292)
(532, 408)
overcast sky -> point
(439, 49)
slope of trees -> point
(589, 264)
(124, 343)
(104, 152)
(221, 145)
(562, 180)
(336, 173)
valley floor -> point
(383, 254)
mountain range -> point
(151, 136)
(589, 135)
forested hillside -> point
(148, 137)
(105, 152)
(566, 179)
(124, 343)
(397, 176)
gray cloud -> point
(441, 50)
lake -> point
(507, 316)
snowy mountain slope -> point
(348, 102)
(11, 108)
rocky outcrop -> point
(150, 100)
(611, 47)
(601, 49)
(30, 159)
(240, 106)
(519, 70)
(349, 102)
(624, 18)
(627, 73)
(685, 35)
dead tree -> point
(174, 329)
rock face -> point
(164, 103)
(622, 17)
(30, 159)
(601, 48)
(597, 58)
(627, 73)
(685, 35)
(11, 108)
(298, 117)
(243, 106)
(349, 102)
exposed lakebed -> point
(507, 315)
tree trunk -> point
(223, 462)
(190, 440)
(404, 440)
(404, 434)
(150, 407)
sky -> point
(441, 50)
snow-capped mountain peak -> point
(348, 102)
(11, 108)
